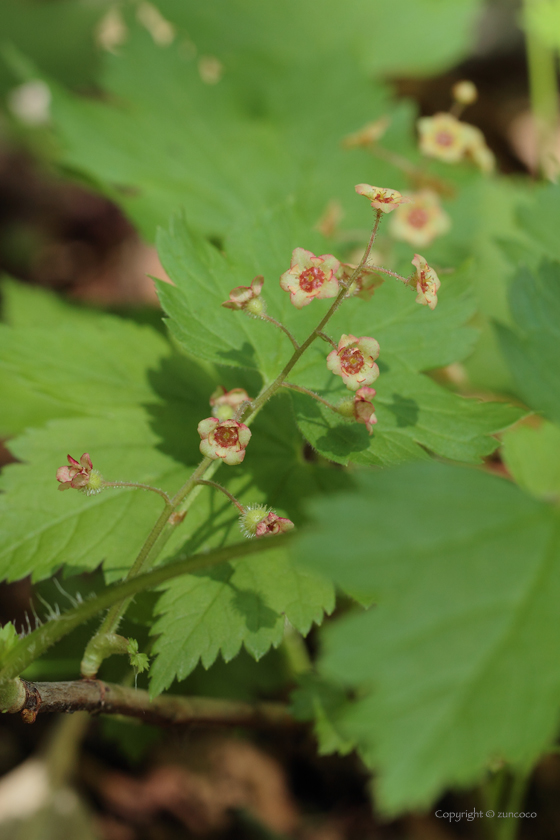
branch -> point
(110, 699)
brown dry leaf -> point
(228, 775)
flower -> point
(80, 475)
(354, 361)
(465, 92)
(382, 198)
(310, 277)
(226, 403)
(445, 137)
(364, 411)
(427, 282)
(226, 439)
(260, 521)
(368, 135)
(247, 298)
(421, 221)
(273, 524)
(360, 407)
(442, 136)
(366, 282)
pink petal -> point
(85, 461)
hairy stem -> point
(280, 327)
(223, 490)
(169, 518)
(390, 273)
(30, 648)
(310, 394)
(135, 485)
(110, 699)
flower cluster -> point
(417, 219)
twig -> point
(99, 697)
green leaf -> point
(45, 529)
(458, 662)
(321, 702)
(57, 36)
(245, 603)
(539, 219)
(532, 455)
(531, 349)
(414, 411)
(415, 416)
(164, 139)
(430, 35)
(8, 638)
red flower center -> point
(418, 217)
(226, 436)
(383, 198)
(351, 360)
(311, 279)
(444, 138)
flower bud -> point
(225, 404)
(465, 92)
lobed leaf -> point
(457, 663)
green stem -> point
(280, 327)
(133, 484)
(310, 394)
(390, 273)
(268, 392)
(230, 496)
(168, 520)
(30, 648)
(543, 87)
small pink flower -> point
(247, 298)
(354, 361)
(427, 282)
(226, 403)
(364, 411)
(80, 475)
(366, 282)
(310, 277)
(273, 524)
(442, 136)
(382, 198)
(226, 439)
(421, 221)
